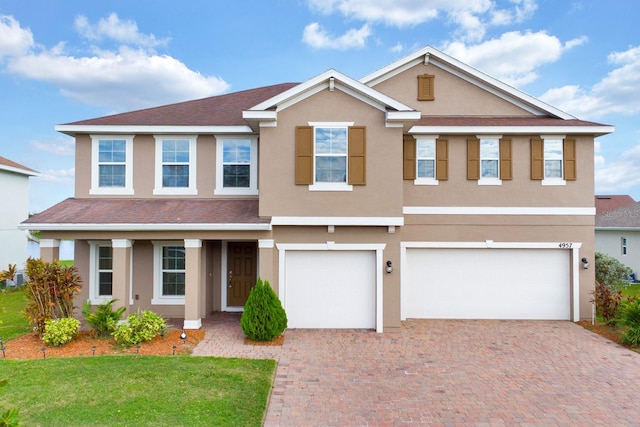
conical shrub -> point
(263, 318)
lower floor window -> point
(173, 271)
(105, 271)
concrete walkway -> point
(443, 372)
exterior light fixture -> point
(44, 352)
(585, 263)
(389, 268)
(183, 337)
(174, 350)
(93, 350)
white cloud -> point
(620, 175)
(128, 77)
(515, 56)
(14, 40)
(316, 36)
(60, 146)
(471, 17)
(58, 176)
(112, 27)
(615, 93)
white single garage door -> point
(330, 289)
(487, 284)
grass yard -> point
(137, 390)
(631, 290)
(12, 323)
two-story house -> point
(426, 189)
(14, 193)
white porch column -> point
(192, 291)
(121, 277)
(49, 249)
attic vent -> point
(426, 87)
(603, 197)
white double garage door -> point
(342, 289)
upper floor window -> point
(237, 161)
(330, 156)
(553, 159)
(112, 164)
(425, 159)
(175, 165)
(489, 159)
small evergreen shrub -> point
(139, 327)
(104, 320)
(630, 315)
(61, 331)
(263, 318)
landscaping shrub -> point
(607, 302)
(104, 320)
(630, 315)
(263, 318)
(50, 291)
(139, 327)
(8, 276)
(60, 331)
(610, 271)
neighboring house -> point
(14, 208)
(618, 230)
(426, 189)
(606, 203)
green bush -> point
(61, 331)
(263, 318)
(610, 271)
(104, 320)
(139, 327)
(630, 315)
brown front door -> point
(241, 271)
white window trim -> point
(94, 272)
(489, 180)
(426, 180)
(191, 189)
(253, 168)
(553, 181)
(158, 298)
(330, 186)
(624, 246)
(95, 166)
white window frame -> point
(191, 189)
(331, 186)
(553, 180)
(253, 167)
(623, 246)
(489, 180)
(94, 272)
(95, 166)
(158, 297)
(426, 180)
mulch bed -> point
(85, 344)
(609, 332)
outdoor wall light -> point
(389, 268)
(585, 263)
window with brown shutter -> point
(537, 159)
(357, 155)
(473, 158)
(409, 157)
(442, 160)
(304, 155)
(569, 154)
(426, 87)
(506, 163)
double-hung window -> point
(237, 160)
(169, 273)
(101, 272)
(623, 245)
(330, 154)
(489, 159)
(112, 164)
(426, 161)
(175, 165)
(553, 159)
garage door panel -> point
(330, 289)
(487, 284)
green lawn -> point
(137, 390)
(631, 290)
(12, 323)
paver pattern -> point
(443, 373)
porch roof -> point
(146, 214)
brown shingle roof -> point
(500, 121)
(222, 110)
(626, 216)
(151, 211)
(605, 203)
(10, 163)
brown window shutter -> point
(506, 163)
(357, 155)
(426, 87)
(442, 160)
(569, 152)
(304, 155)
(409, 157)
(537, 158)
(473, 158)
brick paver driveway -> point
(444, 372)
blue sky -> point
(71, 60)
